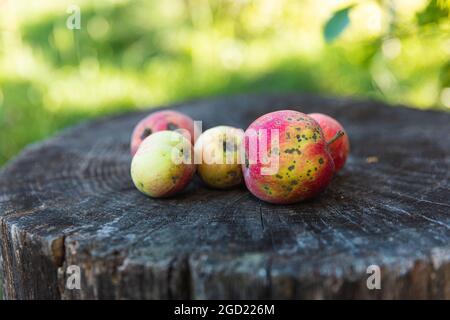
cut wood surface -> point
(70, 201)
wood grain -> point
(70, 201)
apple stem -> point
(336, 136)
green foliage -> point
(132, 54)
(337, 24)
(435, 12)
(444, 76)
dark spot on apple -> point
(292, 150)
(267, 189)
(290, 168)
(172, 126)
(321, 160)
(146, 133)
(279, 176)
(232, 173)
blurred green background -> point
(132, 54)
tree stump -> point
(70, 201)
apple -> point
(340, 148)
(218, 155)
(159, 121)
(287, 159)
(163, 164)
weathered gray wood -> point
(1, 277)
(70, 201)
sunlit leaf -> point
(434, 12)
(445, 75)
(337, 24)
